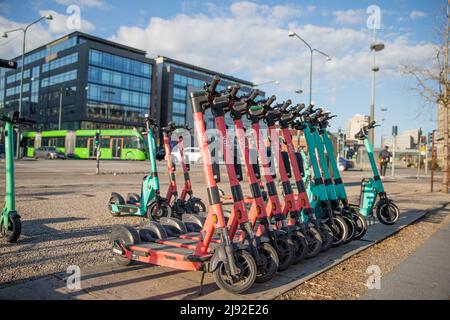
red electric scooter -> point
(233, 267)
(186, 203)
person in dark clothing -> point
(384, 158)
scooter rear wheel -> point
(117, 201)
(314, 242)
(387, 213)
(286, 252)
(361, 225)
(340, 231)
(327, 237)
(301, 246)
(13, 231)
(244, 280)
(269, 268)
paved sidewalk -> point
(422, 276)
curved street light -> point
(5, 35)
(312, 50)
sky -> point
(249, 40)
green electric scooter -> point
(339, 188)
(10, 224)
(315, 187)
(372, 188)
(149, 204)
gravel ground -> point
(348, 279)
(65, 217)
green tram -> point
(127, 144)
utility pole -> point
(433, 159)
(394, 147)
(446, 176)
(97, 151)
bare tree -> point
(432, 84)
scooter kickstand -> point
(201, 283)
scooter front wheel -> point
(155, 212)
(351, 226)
(387, 212)
(286, 252)
(198, 206)
(244, 280)
(267, 270)
(301, 245)
(327, 237)
(114, 200)
(11, 232)
(361, 225)
(340, 231)
(314, 242)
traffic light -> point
(430, 137)
(395, 131)
(97, 139)
(9, 64)
(423, 140)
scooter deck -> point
(186, 243)
(167, 255)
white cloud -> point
(251, 41)
(415, 14)
(349, 17)
(83, 3)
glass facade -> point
(61, 62)
(16, 77)
(59, 78)
(16, 90)
(118, 88)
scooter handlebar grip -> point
(286, 105)
(270, 101)
(234, 90)
(253, 95)
(214, 83)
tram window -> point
(81, 142)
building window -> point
(179, 108)
(58, 63)
(179, 94)
(179, 120)
(59, 78)
(118, 96)
(118, 79)
(16, 77)
(16, 90)
(110, 61)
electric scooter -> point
(233, 267)
(316, 190)
(149, 203)
(318, 235)
(372, 188)
(296, 232)
(360, 221)
(258, 214)
(328, 181)
(182, 204)
(10, 223)
(263, 252)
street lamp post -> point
(382, 127)
(375, 47)
(312, 50)
(276, 82)
(5, 35)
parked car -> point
(49, 153)
(345, 164)
(160, 154)
(2, 151)
(192, 155)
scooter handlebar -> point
(233, 91)
(213, 85)
(270, 101)
(253, 95)
(285, 105)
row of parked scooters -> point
(266, 231)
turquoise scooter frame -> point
(316, 190)
(10, 223)
(328, 182)
(372, 188)
(360, 221)
(149, 203)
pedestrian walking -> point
(384, 159)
